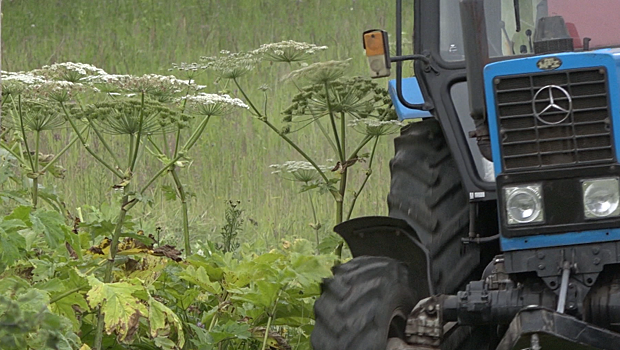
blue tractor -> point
(504, 209)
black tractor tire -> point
(426, 191)
(365, 303)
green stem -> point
(165, 137)
(99, 136)
(35, 171)
(65, 149)
(130, 152)
(148, 137)
(258, 113)
(181, 190)
(67, 293)
(361, 145)
(178, 135)
(110, 267)
(134, 158)
(284, 137)
(343, 178)
(86, 146)
(340, 200)
(266, 333)
(325, 133)
(368, 173)
(315, 224)
(196, 135)
(213, 322)
(159, 173)
(332, 120)
(23, 130)
(299, 150)
(105, 144)
(10, 150)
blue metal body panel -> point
(412, 94)
(558, 240)
(608, 58)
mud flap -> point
(540, 328)
(392, 238)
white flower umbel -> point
(288, 51)
(69, 71)
(231, 65)
(160, 87)
(301, 171)
(81, 68)
(106, 79)
(212, 104)
(320, 72)
(376, 127)
(27, 78)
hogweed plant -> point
(327, 99)
(27, 97)
(140, 112)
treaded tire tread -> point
(356, 305)
(427, 192)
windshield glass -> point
(598, 20)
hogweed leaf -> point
(22, 213)
(52, 224)
(11, 242)
(122, 310)
(169, 192)
(160, 320)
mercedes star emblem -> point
(552, 108)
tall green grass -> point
(146, 36)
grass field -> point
(232, 161)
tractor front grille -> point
(554, 119)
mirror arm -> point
(399, 58)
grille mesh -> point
(555, 138)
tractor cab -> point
(504, 206)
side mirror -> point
(378, 52)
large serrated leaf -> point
(160, 318)
(52, 225)
(122, 311)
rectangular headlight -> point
(524, 204)
(601, 197)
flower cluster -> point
(231, 65)
(376, 127)
(69, 71)
(58, 90)
(14, 83)
(130, 116)
(27, 78)
(159, 87)
(359, 97)
(212, 104)
(301, 171)
(36, 85)
(320, 72)
(288, 51)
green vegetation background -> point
(146, 36)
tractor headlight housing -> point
(601, 198)
(524, 204)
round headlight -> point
(523, 204)
(601, 198)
